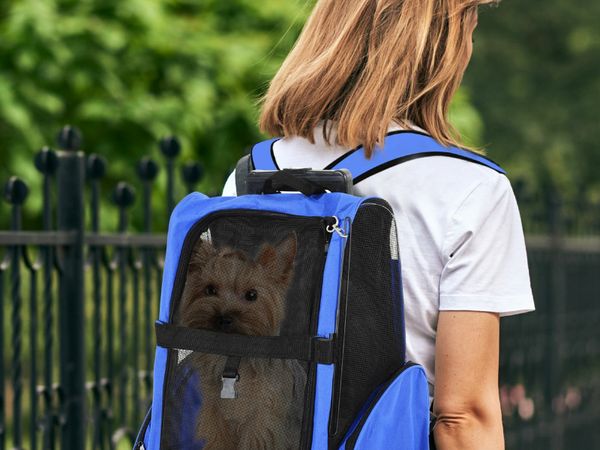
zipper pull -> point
(334, 227)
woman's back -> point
(454, 219)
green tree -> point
(535, 79)
(128, 72)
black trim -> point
(303, 348)
(139, 442)
(232, 367)
(406, 158)
(395, 162)
(273, 153)
(355, 149)
(351, 441)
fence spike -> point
(170, 146)
(192, 173)
(147, 169)
(15, 191)
(69, 139)
(46, 161)
(124, 195)
(95, 166)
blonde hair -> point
(365, 64)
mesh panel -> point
(371, 328)
(246, 275)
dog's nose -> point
(225, 322)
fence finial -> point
(69, 138)
(15, 191)
(192, 173)
(147, 169)
(170, 146)
(46, 161)
(124, 195)
(96, 166)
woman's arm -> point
(466, 400)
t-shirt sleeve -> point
(485, 256)
(230, 190)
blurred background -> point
(128, 73)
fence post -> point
(70, 180)
(170, 148)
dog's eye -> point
(251, 295)
(210, 290)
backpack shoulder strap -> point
(262, 155)
(399, 147)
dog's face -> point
(228, 291)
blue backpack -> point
(281, 319)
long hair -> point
(363, 65)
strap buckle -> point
(228, 390)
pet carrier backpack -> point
(281, 322)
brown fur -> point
(230, 292)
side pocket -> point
(397, 418)
(140, 441)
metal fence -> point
(78, 306)
(77, 364)
(550, 360)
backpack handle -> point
(307, 181)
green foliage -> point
(128, 72)
(535, 78)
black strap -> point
(288, 180)
(232, 366)
(303, 348)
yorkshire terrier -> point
(229, 291)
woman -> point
(362, 69)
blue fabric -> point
(160, 365)
(403, 145)
(193, 208)
(262, 155)
(400, 418)
(323, 396)
(396, 146)
(331, 285)
(188, 381)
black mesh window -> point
(253, 274)
(370, 325)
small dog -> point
(230, 292)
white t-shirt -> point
(460, 236)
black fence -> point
(78, 306)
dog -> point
(228, 291)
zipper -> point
(353, 435)
(311, 384)
(332, 226)
(179, 282)
(340, 329)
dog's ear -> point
(202, 251)
(279, 260)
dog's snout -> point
(225, 322)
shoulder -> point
(438, 184)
